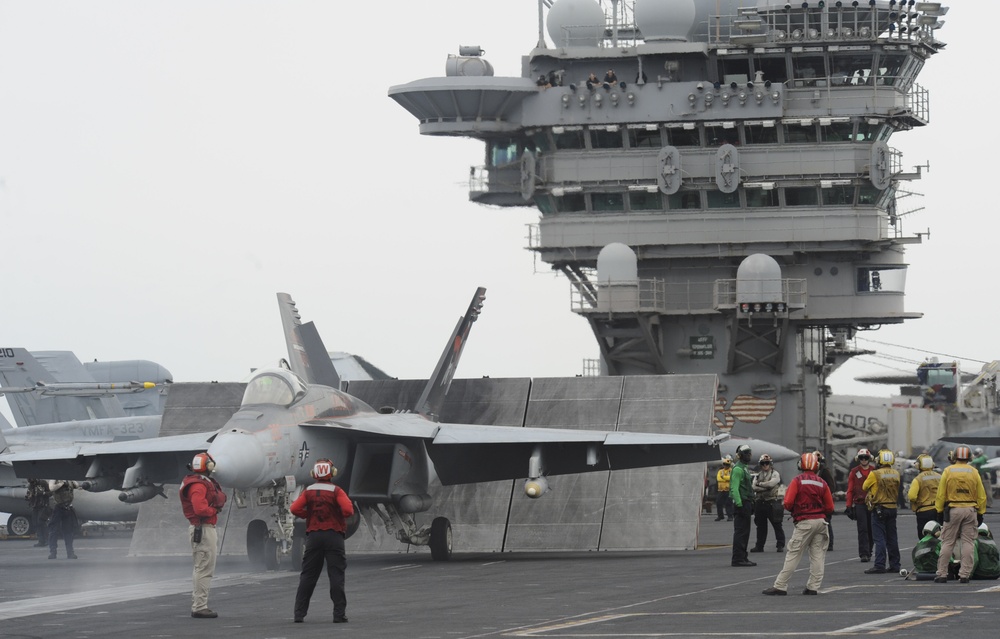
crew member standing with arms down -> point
(961, 503)
(923, 492)
(38, 497)
(882, 485)
(856, 509)
(810, 501)
(741, 490)
(325, 507)
(767, 508)
(723, 502)
(201, 499)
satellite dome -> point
(617, 263)
(660, 20)
(576, 23)
(758, 279)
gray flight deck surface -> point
(692, 593)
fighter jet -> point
(292, 415)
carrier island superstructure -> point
(722, 193)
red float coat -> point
(324, 506)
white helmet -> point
(932, 528)
(978, 452)
(925, 462)
(984, 530)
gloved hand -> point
(849, 511)
(86, 485)
(979, 519)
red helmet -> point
(962, 453)
(808, 461)
(202, 464)
(323, 470)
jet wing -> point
(163, 459)
(469, 453)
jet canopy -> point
(276, 386)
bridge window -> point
(759, 198)
(773, 68)
(644, 138)
(604, 202)
(881, 279)
(503, 152)
(685, 200)
(609, 138)
(838, 132)
(838, 196)
(571, 203)
(851, 69)
(867, 132)
(810, 71)
(680, 136)
(566, 138)
(889, 67)
(868, 195)
(645, 201)
(760, 133)
(718, 134)
(801, 196)
(801, 134)
(720, 200)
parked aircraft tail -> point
(437, 387)
(307, 355)
(21, 369)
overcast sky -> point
(167, 167)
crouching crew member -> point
(325, 507)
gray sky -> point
(167, 167)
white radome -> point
(578, 23)
(660, 20)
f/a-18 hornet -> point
(294, 414)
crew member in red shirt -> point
(201, 499)
(857, 508)
(325, 507)
(809, 500)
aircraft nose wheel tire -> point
(271, 553)
(440, 541)
(19, 526)
(256, 540)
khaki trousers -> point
(205, 553)
(811, 535)
(961, 522)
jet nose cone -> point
(239, 459)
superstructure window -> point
(773, 68)
(810, 71)
(838, 132)
(838, 196)
(606, 138)
(761, 133)
(889, 67)
(645, 201)
(867, 132)
(685, 200)
(684, 137)
(801, 196)
(644, 138)
(851, 69)
(571, 203)
(568, 138)
(718, 134)
(605, 202)
(801, 134)
(503, 152)
(720, 200)
(868, 195)
(881, 279)
(760, 198)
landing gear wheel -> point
(19, 526)
(271, 553)
(256, 538)
(441, 539)
(298, 545)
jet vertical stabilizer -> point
(307, 357)
(437, 386)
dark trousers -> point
(886, 541)
(829, 531)
(62, 524)
(923, 517)
(322, 546)
(768, 513)
(40, 521)
(741, 532)
(723, 502)
(863, 518)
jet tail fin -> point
(437, 387)
(21, 369)
(307, 356)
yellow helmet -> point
(885, 457)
